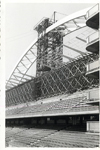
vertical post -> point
(54, 16)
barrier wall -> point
(93, 126)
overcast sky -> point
(20, 20)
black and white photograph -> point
(52, 75)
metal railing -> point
(94, 10)
(93, 37)
(92, 66)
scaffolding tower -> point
(49, 49)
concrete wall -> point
(93, 126)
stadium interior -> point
(60, 106)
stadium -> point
(59, 107)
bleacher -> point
(38, 108)
(84, 107)
(38, 137)
(60, 105)
(14, 111)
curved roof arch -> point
(19, 75)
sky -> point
(20, 19)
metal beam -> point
(32, 52)
(15, 79)
(81, 39)
(68, 57)
(12, 83)
(19, 77)
(74, 49)
(27, 75)
(23, 65)
(76, 23)
(67, 28)
(28, 58)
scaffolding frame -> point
(68, 78)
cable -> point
(61, 13)
(19, 35)
(18, 38)
(52, 17)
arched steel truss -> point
(70, 23)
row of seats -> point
(14, 111)
(35, 137)
(59, 106)
(27, 135)
(84, 107)
(33, 108)
(79, 139)
(66, 105)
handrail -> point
(89, 14)
(93, 65)
(93, 37)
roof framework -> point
(69, 25)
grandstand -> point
(62, 101)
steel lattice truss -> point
(21, 94)
(20, 73)
(67, 79)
